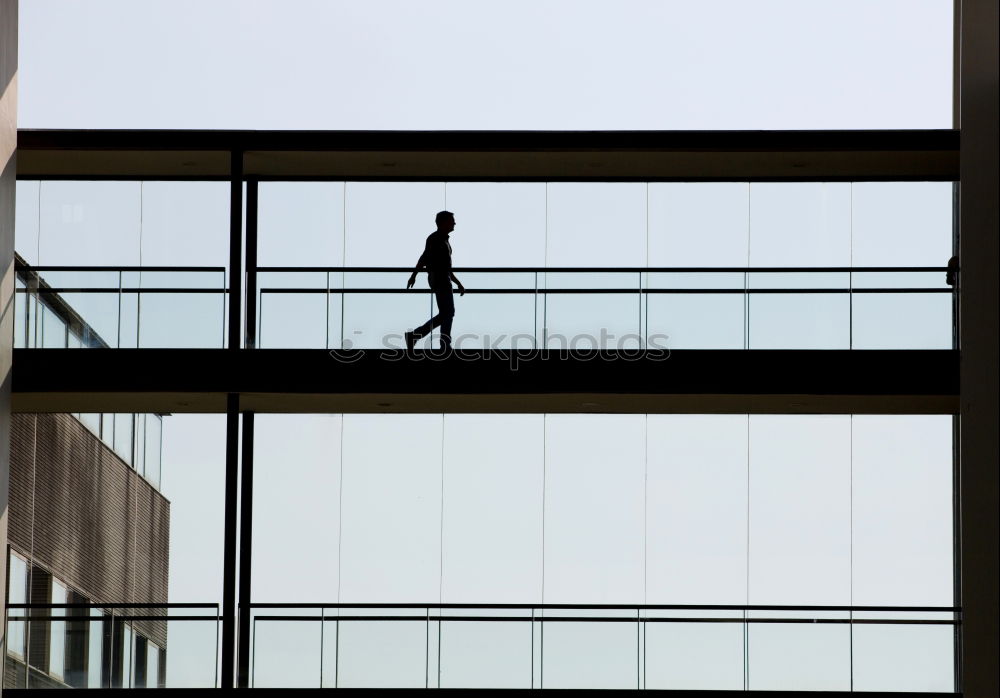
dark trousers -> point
(444, 295)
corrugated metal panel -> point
(81, 512)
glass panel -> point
(496, 320)
(900, 279)
(387, 223)
(53, 329)
(793, 281)
(378, 320)
(185, 223)
(601, 224)
(192, 651)
(108, 428)
(89, 223)
(152, 665)
(382, 654)
(296, 509)
(799, 321)
(504, 221)
(800, 510)
(192, 280)
(140, 445)
(594, 509)
(701, 224)
(799, 657)
(696, 321)
(182, 320)
(492, 511)
(123, 437)
(21, 305)
(904, 658)
(590, 655)
(696, 553)
(390, 541)
(694, 656)
(286, 654)
(153, 447)
(485, 655)
(17, 592)
(295, 320)
(901, 321)
(906, 224)
(129, 307)
(100, 312)
(902, 510)
(95, 650)
(26, 220)
(127, 651)
(800, 224)
(193, 481)
(300, 224)
(592, 321)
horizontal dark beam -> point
(493, 155)
(277, 380)
(498, 693)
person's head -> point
(445, 221)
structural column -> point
(233, 343)
(8, 173)
(980, 351)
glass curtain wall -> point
(697, 510)
(169, 228)
(629, 229)
(178, 233)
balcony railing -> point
(603, 646)
(490, 646)
(112, 645)
(503, 308)
(120, 307)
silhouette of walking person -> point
(436, 259)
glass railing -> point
(613, 308)
(115, 645)
(579, 308)
(120, 307)
(795, 648)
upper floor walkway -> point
(731, 325)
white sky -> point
(455, 64)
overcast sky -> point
(455, 64)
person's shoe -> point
(410, 340)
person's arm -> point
(461, 288)
(421, 263)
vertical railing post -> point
(322, 638)
(250, 335)
(230, 541)
(246, 547)
(235, 337)
(235, 249)
(534, 328)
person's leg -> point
(445, 297)
(443, 294)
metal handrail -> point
(608, 270)
(91, 267)
(622, 607)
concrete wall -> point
(8, 168)
(979, 311)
